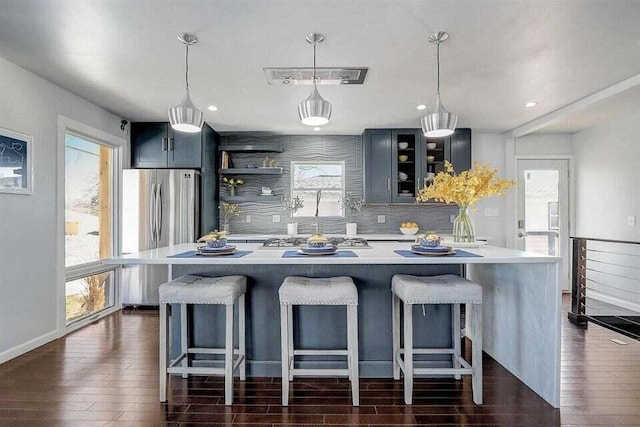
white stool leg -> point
(290, 340)
(228, 356)
(352, 349)
(184, 337)
(455, 336)
(164, 350)
(476, 353)
(408, 353)
(284, 346)
(241, 338)
(395, 315)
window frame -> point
(343, 184)
(67, 274)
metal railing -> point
(603, 264)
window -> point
(89, 227)
(323, 181)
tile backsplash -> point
(347, 148)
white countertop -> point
(379, 253)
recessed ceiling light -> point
(531, 104)
(316, 128)
(421, 107)
(212, 108)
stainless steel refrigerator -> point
(160, 207)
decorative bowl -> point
(220, 243)
(403, 158)
(430, 241)
(403, 145)
(402, 176)
(317, 241)
(409, 231)
(430, 158)
(431, 145)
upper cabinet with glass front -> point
(399, 162)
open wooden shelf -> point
(251, 148)
(250, 171)
(251, 198)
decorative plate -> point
(227, 248)
(217, 253)
(327, 250)
(426, 253)
(437, 249)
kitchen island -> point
(521, 306)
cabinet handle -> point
(388, 185)
(164, 144)
(170, 144)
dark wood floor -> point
(106, 375)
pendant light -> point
(315, 110)
(185, 117)
(441, 122)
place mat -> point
(459, 254)
(338, 254)
(194, 254)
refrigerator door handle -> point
(152, 212)
(159, 212)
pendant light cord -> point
(186, 60)
(314, 63)
(438, 55)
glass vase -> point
(463, 231)
(232, 191)
(225, 227)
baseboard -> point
(28, 346)
(630, 305)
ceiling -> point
(125, 57)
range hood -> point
(325, 75)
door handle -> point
(164, 144)
(159, 213)
(388, 185)
(152, 212)
(170, 144)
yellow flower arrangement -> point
(466, 188)
(231, 182)
(229, 210)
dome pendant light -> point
(315, 110)
(441, 122)
(185, 117)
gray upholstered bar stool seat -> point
(446, 289)
(297, 290)
(193, 289)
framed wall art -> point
(16, 152)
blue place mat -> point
(338, 254)
(459, 254)
(194, 254)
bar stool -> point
(446, 289)
(193, 289)
(297, 290)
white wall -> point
(607, 162)
(490, 148)
(499, 151)
(28, 299)
(544, 144)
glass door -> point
(89, 224)
(543, 210)
(407, 157)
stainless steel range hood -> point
(325, 75)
